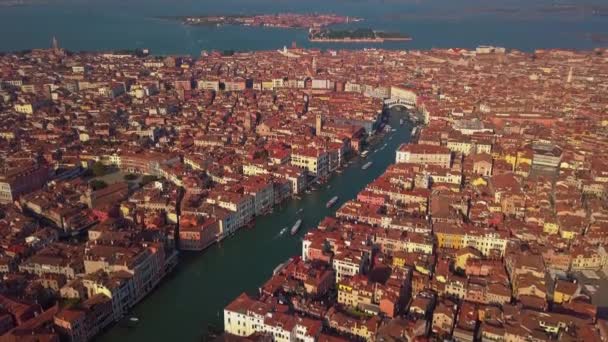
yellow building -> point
(399, 259)
(355, 294)
(479, 181)
(564, 291)
(345, 295)
(423, 268)
(24, 108)
(511, 159)
(125, 210)
(449, 237)
(463, 255)
(524, 158)
(567, 234)
(314, 160)
(550, 228)
(267, 85)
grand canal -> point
(194, 295)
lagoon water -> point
(128, 24)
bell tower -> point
(319, 124)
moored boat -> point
(296, 227)
(331, 202)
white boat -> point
(278, 268)
(331, 202)
(366, 166)
(283, 231)
(401, 122)
(364, 153)
(296, 226)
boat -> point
(296, 226)
(366, 166)
(331, 202)
(134, 319)
(300, 210)
(278, 268)
(394, 130)
(401, 122)
(364, 153)
(283, 231)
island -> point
(359, 35)
(280, 20)
(317, 25)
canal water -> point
(194, 296)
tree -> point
(98, 184)
(99, 169)
(130, 177)
(148, 179)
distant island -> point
(359, 35)
(317, 24)
(281, 20)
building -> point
(315, 161)
(403, 94)
(22, 179)
(546, 155)
(246, 316)
(424, 154)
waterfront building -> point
(424, 154)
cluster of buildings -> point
(484, 229)
(491, 226)
(111, 164)
(280, 20)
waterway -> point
(128, 24)
(204, 283)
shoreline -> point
(360, 40)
